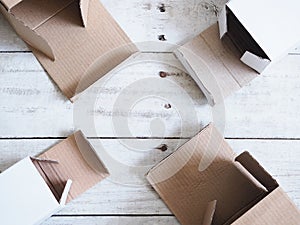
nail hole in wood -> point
(168, 106)
(162, 147)
(162, 8)
(162, 37)
(163, 74)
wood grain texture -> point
(32, 106)
(41, 109)
(108, 220)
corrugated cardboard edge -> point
(181, 56)
(28, 35)
(209, 214)
(222, 21)
(84, 9)
(8, 4)
(64, 196)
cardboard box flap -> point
(33, 13)
(84, 9)
(222, 21)
(48, 30)
(260, 174)
(8, 4)
(275, 209)
(210, 212)
(28, 35)
(28, 15)
(64, 196)
(77, 161)
(255, 62)
(215, 65)
(89, 154)
(102, 41)
(274, 27)
(187, 191)
(24, 193)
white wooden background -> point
(264, 117)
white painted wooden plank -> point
(34, 103)
(268, 107)
(296, 51)
(181, 20)
(115, 220)
(31, 105)
(280, 158)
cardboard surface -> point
(236, 187)
(68, 36)
(215, 65)
(35, 188)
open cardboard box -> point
(35, 188)
(68, 37)
(251, 32)
(231, 190)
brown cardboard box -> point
(251, 33)
(231, 190)
(35, 188)
(68, 37)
